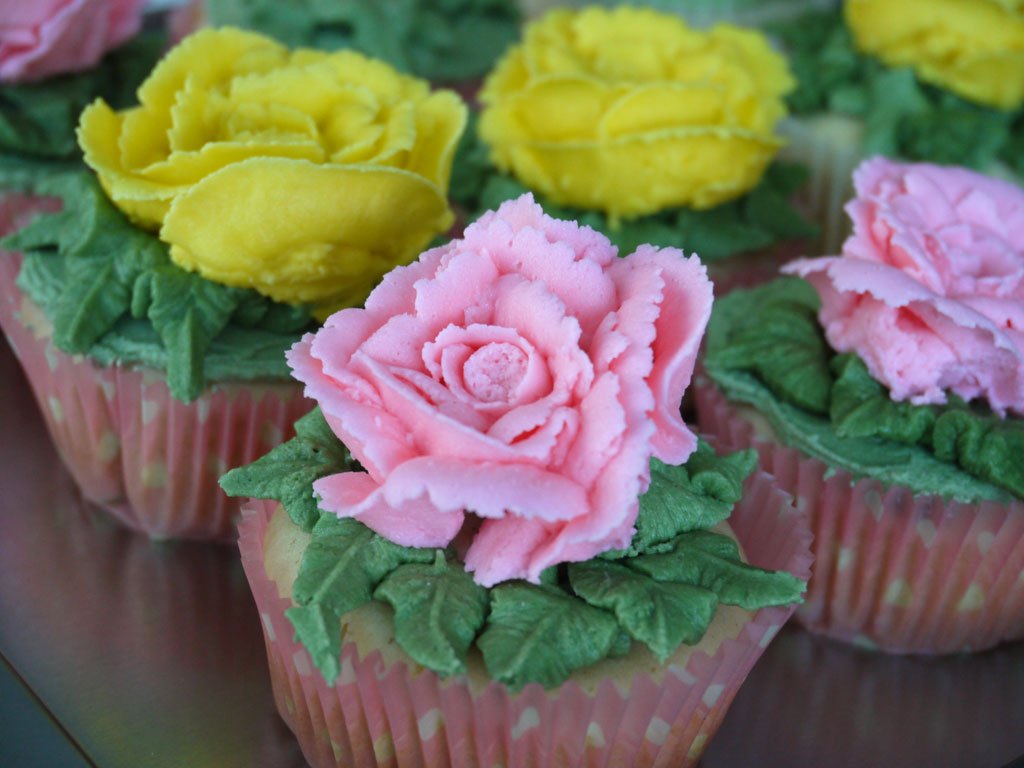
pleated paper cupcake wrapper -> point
(150, 460)
(894, 571)
(398, 714)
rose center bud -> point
(494, 372)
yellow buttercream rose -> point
(304, 175)
(974, 48)
(630, 111)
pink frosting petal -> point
(413, 523)
(376, 438)
(488, 490)
(464, 281)
(541, 317)
(502, 549)
(54, 38)
(568, 259)
(679, 328)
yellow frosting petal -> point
(304, 233)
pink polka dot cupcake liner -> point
(399, 714)
(900, 572)
(151, 461)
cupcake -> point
(676, 148)
(885, 391)
(453, 42)
(495, 541)
(252, 190)
(911, 79)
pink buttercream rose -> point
(520, 377)
(40, 38)
(929, 290)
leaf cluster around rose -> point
(765, 348)
(277, 170)
(662, 593)
(111, 292)
(583, 114)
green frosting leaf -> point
(188, 312)
(781, 342)
(985, 445)
(92, 301)
(435, 39)
(439, 610)
(712, 561)
(660, 614)
(859, 430)
(540, 634)
(903, 116)
(288, 472)
(93, 272)
(39, 119)
(762, 218)
(861, 407)
(345, 562)
(316, 627)
(341, 567)
(693, 496)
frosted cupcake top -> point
(929, 290)
(280, 170)
(279, 184)
(523, 372)
(924, 307)
(511, 404)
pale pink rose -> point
(522, 376)
(929, 290)
(40, 38)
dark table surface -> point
(116, 651)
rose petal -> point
(684, 313)
(502, 549)
(486, 489)
(414, 523)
